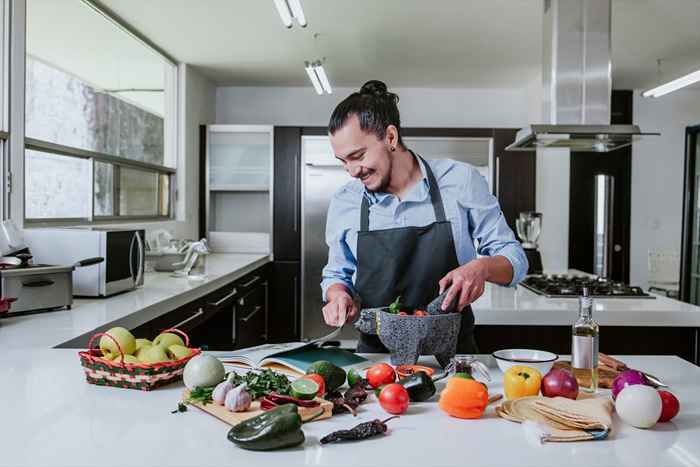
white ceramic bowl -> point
(537, 359)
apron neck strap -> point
(435, 198)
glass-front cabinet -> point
(238, 187)
(690, 257)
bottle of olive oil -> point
(584, 345)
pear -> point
(127, 359)
(141, 343)
(153, 354)
(141, 349)
(123, 336)
(177, 351)
(167, 339)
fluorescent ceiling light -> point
(313, 77)
(297, 12)
(323, 78)
(289, 9)
(674, 85)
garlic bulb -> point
(220, 391)
(238, 399)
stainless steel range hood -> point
(580, 138)
(577, 82)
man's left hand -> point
(467, 283)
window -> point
(97, 119)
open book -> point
(294, 358)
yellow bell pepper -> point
(520, 381)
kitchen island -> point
(52, 417)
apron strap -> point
(433, 190)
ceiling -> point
(420, 43)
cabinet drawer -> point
(251, 318)
(186, 318)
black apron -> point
(407, 261)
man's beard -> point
(384, 182)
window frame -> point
(14, 154)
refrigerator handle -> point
(325, 164)
(296, 169)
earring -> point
(393, 148)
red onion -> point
(559, 382)
(627, 378)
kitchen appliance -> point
(35, 287)
(529, 227)
(122, 249)
(323, 174)
(566, 286)
(577, 82)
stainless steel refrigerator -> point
(322, 175)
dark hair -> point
(375, 107)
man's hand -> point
(468, 280)
(340, 308)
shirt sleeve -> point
(342, 264)
(488, 226)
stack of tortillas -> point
(561, 419)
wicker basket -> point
(143, 376)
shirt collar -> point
(417, 193)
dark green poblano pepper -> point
(275, 429)
(420, 386)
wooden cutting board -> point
(605, 375)
(325, 410)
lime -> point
(305, 389)
(354, 377)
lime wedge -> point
(305, 389)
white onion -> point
(203, 371)
(639, 405)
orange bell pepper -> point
(464, 398)
(520, 381)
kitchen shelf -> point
(237, 188)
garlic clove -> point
(238, 399)
(220, 392)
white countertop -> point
(161, 293)
(518, 305)
(52, 417)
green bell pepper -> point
(275, 429)
(420, 386)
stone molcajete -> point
(408, 337)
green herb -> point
(202, 395)
(261, 383)
(180, 408)
(396, 306)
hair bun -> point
(374, 88)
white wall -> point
(657, 176)
(419, 106)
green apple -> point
(123, 336)
(127, 359)
(153, 354)
(167, 339)
(142, 349)
(141, 343)
(177, 351)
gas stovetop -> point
(564, 286)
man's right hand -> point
(341, 308)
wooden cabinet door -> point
(286, 214)
(285, 300)
(251, 318)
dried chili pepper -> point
(273, 400)
(359, 432)
(348, 401)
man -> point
(405, 226)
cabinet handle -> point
(199, 313)
(233, 293)
(245, 319)
(296, 190)
(251, 282)
(296, 309)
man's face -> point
(363, 155)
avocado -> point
(333, 375)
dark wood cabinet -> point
(285, 301)
(251, 317)
(514, 175)
(286, 213)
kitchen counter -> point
(160, 294)
(520, 306)
(52, 417)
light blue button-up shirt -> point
(478, 225)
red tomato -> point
(319, 380)
(669, 406)
(420, 313)
(394, 398)
(381, 373)
(403, 313)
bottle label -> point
(584, 352)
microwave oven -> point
(123, 251)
